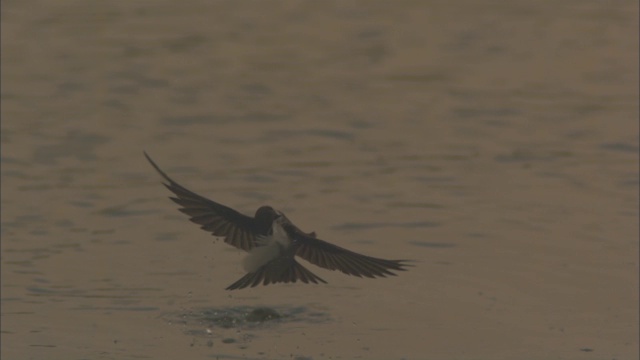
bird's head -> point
(265, 216)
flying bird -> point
(273, 242)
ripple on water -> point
(437, 245)
(377, 225)
(76, 144)
(239, 325)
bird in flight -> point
(273, 242)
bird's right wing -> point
(238, 230)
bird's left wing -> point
(333, 257)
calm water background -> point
(495, 143)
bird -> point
(273, 242)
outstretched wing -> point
(238, 230)
(333, 257)
(281, 269)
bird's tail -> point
(274, 272)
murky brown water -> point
(494, 143)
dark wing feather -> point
(238, 230)
(333, 257)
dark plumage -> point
(273, 242)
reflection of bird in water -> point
(273, 242)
